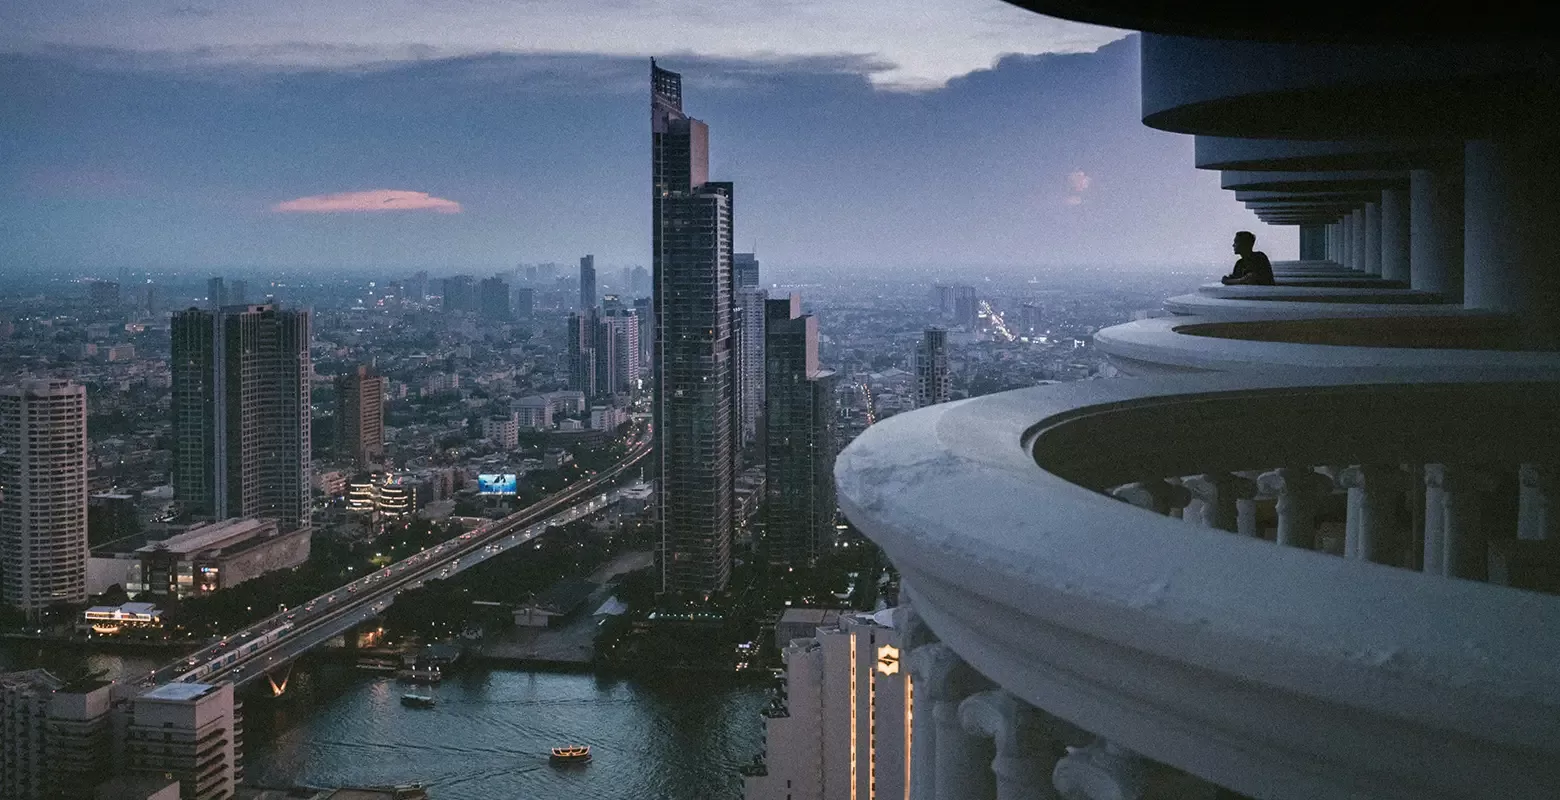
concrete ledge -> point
(1169, 345)
(1275, 672)
(1230, 309)
(1314, 291)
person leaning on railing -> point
(1253, 266)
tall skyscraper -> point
(494, 298)
(460, 293)
(216, 293)
(800, 419)
(525, 302)
(639, 282)
(241, 435)
(694, 362)
(581, 330)
(417, 287)
(744, 268)
(43, 493)
(751, 299)
(932, 382)
(360, 417)
(617, 351)
(964, 307)
(238, 293)
(646, 315)
(587, 282)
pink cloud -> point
(1073, 200)
(1078, 180)
(371, 200)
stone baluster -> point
(1025, 751)
(1220, 493)
(1455, 544)
(1158, 496)
(1101, 771)
(1299, 492)
(1374, 492)
(1538, 505)
(960, 762)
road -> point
(272, 642)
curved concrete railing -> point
(1244, 309)
(1277, 672)
(1296, 290)
(1169, 345)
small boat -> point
(571, 754)
(417, 700)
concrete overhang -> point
(1369, 90)
(1228, 153)
(1355, 198)
(1343, 181)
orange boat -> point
(571, 754)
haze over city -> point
(267, 136)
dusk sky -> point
(471, 135)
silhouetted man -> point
(1253, 266)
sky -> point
(471, 135)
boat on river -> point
(417, 700)
(571, 754)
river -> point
(673, 738)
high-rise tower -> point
(43, 493)
(694, 352)
(587, 282)
(932, 383)
(750, 346)
(241, 435)
(800, 414)
(360, 416)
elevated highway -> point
(269, 646)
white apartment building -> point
(43, 493)
(503, 432)
(839, 724)
(192, 731)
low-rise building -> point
(190, 732)
(113, 619)
(386, 495)
(502, 431)
(219, 556)
(55, 735)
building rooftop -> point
(178, 692)
(209, 537)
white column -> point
(1220, 493)
(1538, 512)
(1374, 492)
(1299, 492)
(1512, 241)
(1372, 238)
(1394, 235)
(1454, 541)
(1356, 244)
(961, 761)
(1158, 496)
(1024, 752)
(1435, 239)
(1101, 771)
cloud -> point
(1078, 180)
(895, 44)
(371, 200)
(1073, 200)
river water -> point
(677, 738)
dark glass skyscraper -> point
(800, 413)
(587, 283)
(694, 351)
(241, 435)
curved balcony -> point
(1228, 648)
(1251, 303)
(1170, 345)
